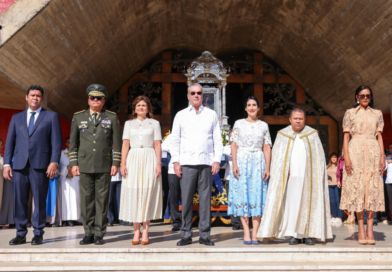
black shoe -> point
(56, 226)
(37, 240)
(308, 241)
(123, 223)
(294, 241)
(375, 223)
(87, 240)
(110, 224)
(98, 240)
(206, 242)
(65, 223)
(70, 224)
(18, 240)
(184, 241)
(237, 227)
(389, 223)
(176, 228)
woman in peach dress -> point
(363, 189)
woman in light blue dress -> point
(251, 152)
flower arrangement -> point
(167, 134)
(225, 137)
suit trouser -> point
(165, 188)
(191, 175)
(114, 200)
(94, 196)
(235, 220)
(175, 193)
(37, 180)
(388, 188)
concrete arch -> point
(329, 47)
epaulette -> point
(111, 112)
(79, 112)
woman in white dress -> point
(70, 190)
(141, 192)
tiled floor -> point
(161, 236)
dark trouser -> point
(94, 195)
(37, 180)
(114, 200)
(165, 188)
(375, 220)
(235, 220)
(175, 193)
(334, 198)
(192, 175)
(388, 188)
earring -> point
(357, 101)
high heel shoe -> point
(135, 243)
(370, 242)
(144, 243)
(363, 242)
(349, 222)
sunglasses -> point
(362, 96)
(198, 93)
(92, 98)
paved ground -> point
(161, 236)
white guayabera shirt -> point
(196, 138)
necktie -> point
(95, 117)
(31, 123)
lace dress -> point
(364, 189)
(141, 192)
(247, 195)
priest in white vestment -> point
(297, 204)
(70, 192)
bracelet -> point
(159, 162)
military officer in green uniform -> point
(93, 132)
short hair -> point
(35, 87)
(297, 110)
(388, 145)
(1, 140)
(195, 84)
(136, 101)
(68, 138)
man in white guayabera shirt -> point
(196, 151)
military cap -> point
(96, 90)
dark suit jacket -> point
(41, 148)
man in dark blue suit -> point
(34, 140)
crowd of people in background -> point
(359, 182)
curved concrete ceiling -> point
(329, 47)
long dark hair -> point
(358, 90)
(330, 159)
(252, 98)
